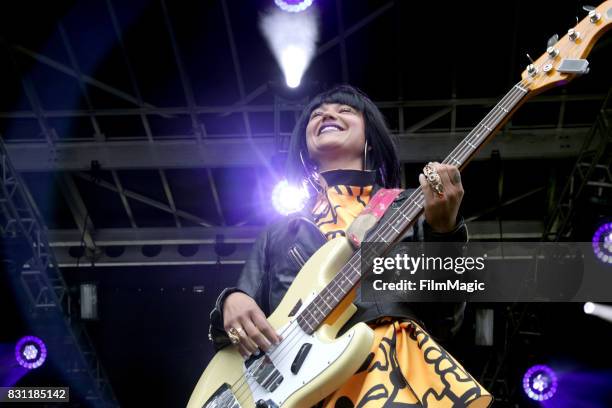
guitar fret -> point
(332, 294)
(405, 216)
(309, 325)
(486, 127)
(323, 299)
(335, 282)
(520, 88)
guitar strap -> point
(369, 217)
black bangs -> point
(344, 95)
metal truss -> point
(235, 152)
(46, 291)
(520, 326)
(591, 176)
(199, 245)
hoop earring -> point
(311, 174)
(365, 155)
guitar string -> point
(454, 154)
(513, 96)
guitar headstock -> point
(565, 59)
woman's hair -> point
(383, 155)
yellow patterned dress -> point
(406, 367)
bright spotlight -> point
(30, 352)
(288, 199)
(294, 61)
(589, 307)
(540, 383)
(292, 39)
(293, 6)
(599, 310)
(602, 243)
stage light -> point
(293, 6)
(89, 301)
(293, 61)
(540, 383)
(483, 335)
(288, 199)
(599, 310)
(602, 243)
(30, 352)
(292, 39)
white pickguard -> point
(319, 358)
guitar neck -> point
(311, 317)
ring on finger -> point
(234, 334)
(433, 178)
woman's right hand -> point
(242, 313)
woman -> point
(342, 145)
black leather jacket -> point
(283, 248)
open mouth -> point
(330, 127)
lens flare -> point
(287, 198)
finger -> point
(245, 340)
(243, 351)
(264, 326)
(254, 334)
(426, 188)
(443, 171)
(455, 175)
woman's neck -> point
(341, 163)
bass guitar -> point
(311, 361)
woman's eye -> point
(315, 114)
(346, 109)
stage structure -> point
(45, 296)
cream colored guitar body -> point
(227, 382)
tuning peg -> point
(553, 40)
(588, 8)
(531, 68)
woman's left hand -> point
(441, 209)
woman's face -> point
(335, 131)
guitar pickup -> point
(301, 356)
(574, 66)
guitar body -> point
(329, 362)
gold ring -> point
(234, 334)
(433, 178)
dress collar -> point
(358, 178)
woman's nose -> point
(329, 114)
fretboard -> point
(403, 217)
